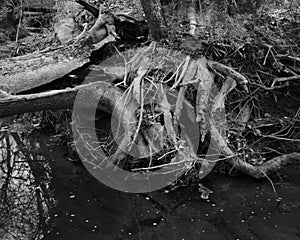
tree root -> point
(124, 106)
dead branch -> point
(100, 95)
(284, 79)
(261, 171)
(227, 71)
(89, 8)
(59, 99)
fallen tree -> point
(143, 67)
(22, 73)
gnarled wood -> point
(22, 73)
(26, 72)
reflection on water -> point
(45, 196)
(25, 193)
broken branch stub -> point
(228, 71)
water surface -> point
(46, 196)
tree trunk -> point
(155, 18)
(26, 72)
(60, 99)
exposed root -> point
(192, 71)
(190, 74)
(166, 110)
(261, 171)
(138, 95)
(185, 67)
(219, 101)
(102, 28)
(206, 80)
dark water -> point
(45, 196)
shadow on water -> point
(25, 188)
(45, 196)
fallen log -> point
(19, 74)
(60, 99)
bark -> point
(191, 14)
(60, 99)
(228, 71)
(23, 73)
(155, 18)
(26, 72)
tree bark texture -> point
(155, 18)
